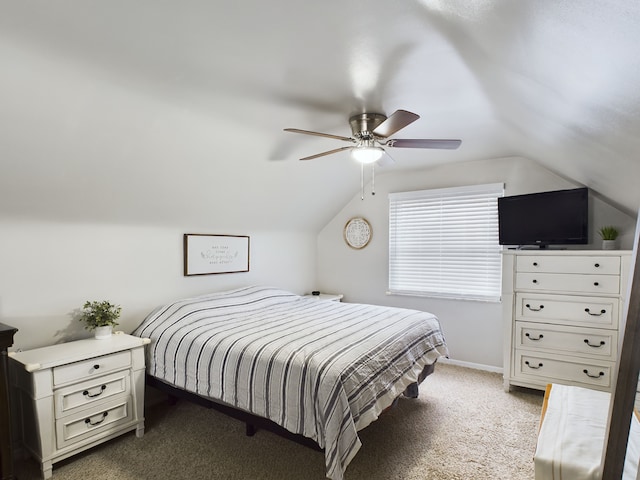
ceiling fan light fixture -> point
(367, 154)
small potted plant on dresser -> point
(100, 317)
(609, 236)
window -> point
(444, 243)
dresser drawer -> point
(589, 343)
(562, 282)
(91, 423)
(568, 264)
(94, 367)
(548, 368)
(597, 312)
(81, 395)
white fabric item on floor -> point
(571, 437)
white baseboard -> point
(475, 366)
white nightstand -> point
(332, 297)
(73, 396)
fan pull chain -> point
(373, 179)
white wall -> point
(473, 329)
(50, 269)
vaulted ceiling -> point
(172, 111)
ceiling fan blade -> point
(336, 150)
(318, 134)
(424, 143)
(397, 121)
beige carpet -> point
(463, 426)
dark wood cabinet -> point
(6, 460)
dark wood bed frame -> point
(253, 422)
(626, 380)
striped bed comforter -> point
(318, 368)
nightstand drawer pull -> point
(586, 372)
(531, 366)
(102, 389)
(540, 337)
(104, 415)
(96, 366)
(597, 265)
(602, 312)
(595, 284)
(534, 309)
(602, 343)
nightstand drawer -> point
(98, 366)
(90, 423)
(549, 368)
(569, 264)
(559, 282)
(598, 312)
(99, 389)
(585, 342)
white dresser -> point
(563, 316)
(76, 395)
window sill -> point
(443, 296)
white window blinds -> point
(444, 242)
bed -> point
(320, 369)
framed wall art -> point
(209, 254)
(357, 233)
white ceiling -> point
(171, 111)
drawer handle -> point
(104, 415)
(534, 309)
(602, 312)
(102, 389)
(597, 265)
(96, 366)
(535, 264)
(531, 366)
(595, 284)
(534, 280)
(540, 337)
(586, 372)
(602, 343)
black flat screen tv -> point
(560, 217)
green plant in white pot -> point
(100, 317)
(609, 236)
